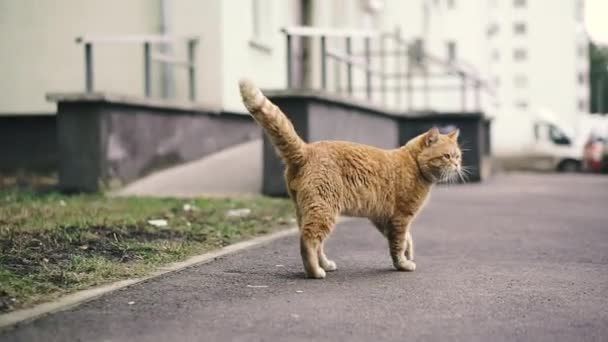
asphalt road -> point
(522, 257)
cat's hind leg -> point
(317, 223)
(324, 262)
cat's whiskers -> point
(464, 146)
(444, 177)
(465, 172)
(448, 176)
(454, 176)
(461, 175)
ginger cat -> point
(328, 178)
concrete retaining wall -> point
(106, 141)
(101, 141)
(28, 142)
(317, 116)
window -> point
(582, 105)
(536, 132)
(519, 3)
(520, 81)
(451, 45)
(373, 7)
(416, 52)
(582, 78)
(557, 136)
(521, 104)
(492, 29)
(579, 11)
(582, 51)
(520, 54)
(519, 28)
(262, 24)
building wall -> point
(39, 53)
(552, 75)
(555, 44)
(463, 24)
(244, 53)
(43, 57)
(200, 18)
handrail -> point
(309, 31)
(453, 66)
(146, 41)
(400, 49)
(352, 61)
(171, 60)
(133, 39)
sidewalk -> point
(521, 257)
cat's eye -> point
(446, 156)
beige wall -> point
(268, 67)
(200, 18)
(39, 55)
(42, 56)
(242, 57)
(355, 15)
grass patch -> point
(53, 244)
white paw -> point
(405, 265)
(319, 273)
(330, 266)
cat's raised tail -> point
(290, 147)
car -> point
(553, 149)
(604, 158)
(593, 154)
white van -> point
(535, 140)
(554, 149)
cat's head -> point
(439, 156)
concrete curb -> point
(20, 316)
(10, 319)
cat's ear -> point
(454, 134)
(431, 136)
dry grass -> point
(52, 244)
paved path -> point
(236, 170)
(522, 257)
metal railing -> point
(146, 42)
(409, 66)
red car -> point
(593, 154)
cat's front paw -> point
(329, 266)
(318, 273)
(405, 265)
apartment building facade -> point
(531, 53)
